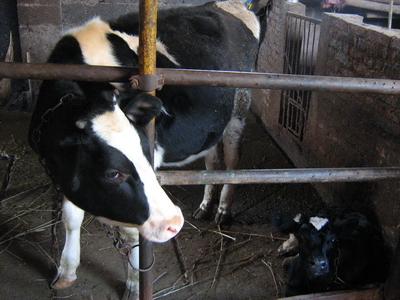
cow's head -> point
(317, 248)
(101, 162)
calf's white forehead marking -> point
(238, 10)
(318, 222)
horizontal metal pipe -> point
(64, 71)
(312, 175)
(280, 81)
(203, 77)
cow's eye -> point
(115, 175)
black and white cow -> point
(333, 252)
(91, 135)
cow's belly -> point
(185, 142)
(194, 122)
(181, 150)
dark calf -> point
(333, 252)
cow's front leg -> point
(70, 258)
(231, 143)
(212, 161)
(131, 237)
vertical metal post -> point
(390, 14)
(147, 66)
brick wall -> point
(8, 22)
(344, 130)
(39, 27)
(356, 129)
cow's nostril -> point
(172, 229)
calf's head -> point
(317, 248)
(101, 162)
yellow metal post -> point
(147, 66)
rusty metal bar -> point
(204, 78)
(279, 81)
(147, 69)
(316, 175)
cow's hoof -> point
(223, 218)
(201, 214)
(60, 283)
(130, 295)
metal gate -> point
(300, 54)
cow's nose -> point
(172, 229)
(323, 264)
(174, 225)
(161, 229)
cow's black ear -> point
(142, 108)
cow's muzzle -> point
(160, 230)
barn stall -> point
(206, 261)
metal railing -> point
(300, 54)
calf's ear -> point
(286, 224)
(142, 108)
(350, 224)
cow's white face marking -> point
(115, 129)
(318, 222)
(238, 10)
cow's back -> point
(203, 37)
(210, 37)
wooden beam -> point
(370, 294)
